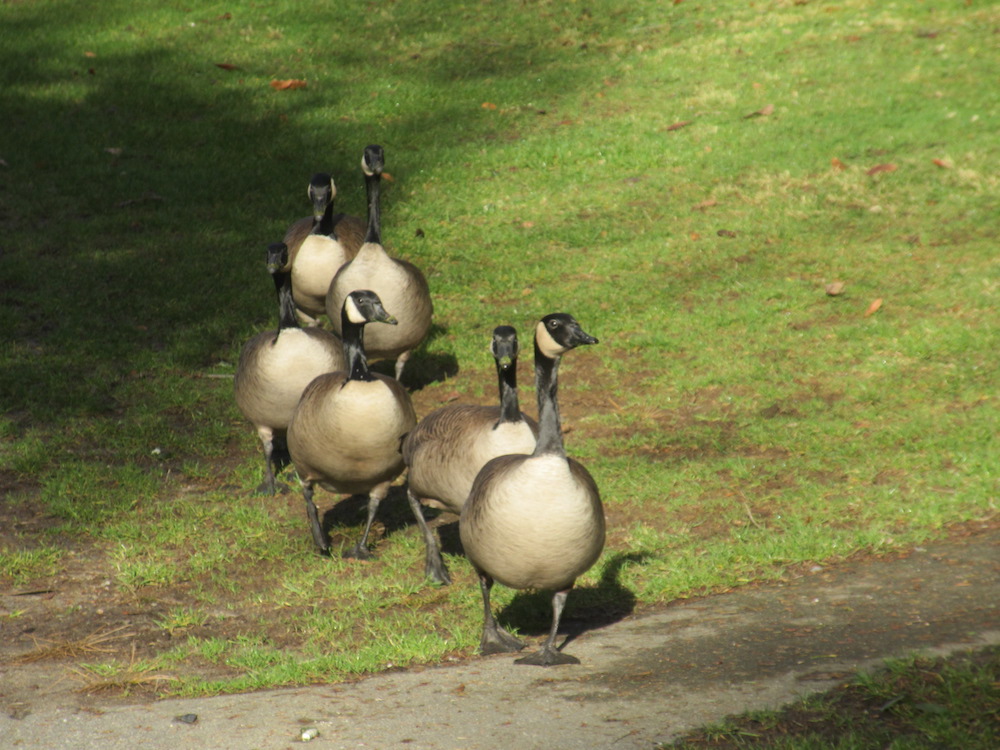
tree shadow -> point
(138, 203)
(587, 608)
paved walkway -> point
(643, 681)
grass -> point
(686, 179)
(918, 702)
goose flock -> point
(530, 517)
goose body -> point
(535, 522)
(400, 285)
(275, 367)
(569, 520)
(450, 445)
(318, 246)
(346, 432)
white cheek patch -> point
(546, 344)
(353, 313)
(333, 190)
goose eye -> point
(553, 324)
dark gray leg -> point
(434, 567)
(314, 523)
(495, 639)
(360, 550)
(266, 436)
(548, 654)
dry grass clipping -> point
(122, 680)
(99, 642)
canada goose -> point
(535, 522)
(400, 285)
(451, 444)
(346, 432)
(318, 246)
(276, 366)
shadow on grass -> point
(142, 186)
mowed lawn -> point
(779, 218)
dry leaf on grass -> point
(227, 66)
(873, 307)
(837, 164)
(679, 125)
(762, 112)
(288, 85)
(489, 105)
(943, 163)
(835, 288)
(881, 168)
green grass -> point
(917, 702)
(738, 419)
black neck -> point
(286, 305)
(510, 410)
(373, 188)
(549, 426)
(325, 224)
(354, 348)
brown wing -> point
(350, 232)
(296, 233)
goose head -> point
(322, 191)
(364, 306)
(277, 257)
(504, 347)
(557, 333)
(373, 161)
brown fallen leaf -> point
(881, 168)
(227, 66)
(726, 233)
(705, 204)
(489, 105)
(873, 307)
(762, 112)
(837, 164)
(835, 288)
(943, 163)
(388, 177)
(287, 85)
(90, 54)
(679, 125)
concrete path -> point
(643, 681)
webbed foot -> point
(499, 641)
(547, 657)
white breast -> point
(536, 526)
(317, 261)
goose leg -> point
(266, 435)
(360, 550)
(314, 523)
(495, 639)
(434, 567)
(548, 654)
